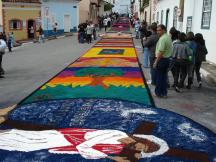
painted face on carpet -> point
(74, 129)
(88, 143)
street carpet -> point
(99, 109)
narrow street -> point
(29, 66)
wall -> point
(194, 8)
(23, 13)
(57, 10)
(84, 11)
(101, 9)
(164, 5)
(208, 34)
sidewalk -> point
(208, 71)
(46, 39)
(196, 104)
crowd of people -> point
(176, 51)
(88, 30)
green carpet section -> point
(134, 94)
(96, 71)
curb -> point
(46, 39)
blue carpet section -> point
(179, 132)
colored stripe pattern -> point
(110, 71)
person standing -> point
(200, 56)
(81, 33)
(2, 52)
(31, 30)
(41, 35)
(4, 36)
(151, 45)
(105, 22)
(89, 32)
(193, 46)
(12, 39)
(137, 27)
(55, 27)
(109, 21)
(163, 53)
(181, 54)
(9, 43)
(143, 31)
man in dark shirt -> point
(150, 43)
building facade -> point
(63, 14)
(89, 10)
(21, 17)
(102, 4)
(198, 16)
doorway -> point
(31, 29)
(67, 23)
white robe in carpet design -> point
(89, 143)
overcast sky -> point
(122, 6)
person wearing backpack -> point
(181, 54)
(2, 52)
(193, 46)
(201, 53)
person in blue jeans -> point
(150, 43)
(163, 53)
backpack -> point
(2, 46)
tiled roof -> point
(22, 1)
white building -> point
(199, 16)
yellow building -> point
(22, 17)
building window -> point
(175, 17)
(145, 3)
(157, 17)
(162, 17)
(206, 14)
(15, 24)
(189, 24)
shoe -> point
(157, 96)
(2, 72)
(188, 86)
(165, 96)
(200, 85)
(177, 89)
(181, 85)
